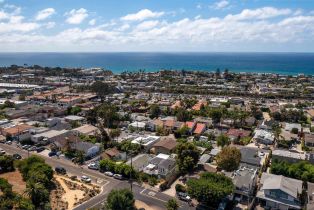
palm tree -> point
(37, 193)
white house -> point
(147, 142)
(264, 136)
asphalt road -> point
(151, 197)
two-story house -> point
(279, 192)
(162, 166)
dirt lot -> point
(70, 193)
(140, 204)
(16, 180)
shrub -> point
(295, 130)
(164, 186)
(180, 188)
(152, 180)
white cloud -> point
(260, 13)
(76, 16)
(197, 17)
(15, 10)
(298, 12)
(92, 22)
(50, 25)
(12, 21)
(124, 27)
(16, 25)
(220, 5)
(3, 15)
(147, 25)
(142, 15)
(258, 28)
(45, 13)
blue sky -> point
(157, 25)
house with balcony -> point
(162, 166)
(279, 192)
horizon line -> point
(11, 52)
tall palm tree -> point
(37, 193)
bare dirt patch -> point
(140, 204)
(70, 193)
(16, 180)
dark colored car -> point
(60, 170)
(52, 153)
(40, 149)
(17, 156)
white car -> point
(118, 176)
(108, 173)
(93, 166)
(85, 179)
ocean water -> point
(281, 63)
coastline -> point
(237, 62)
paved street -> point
(151, 197)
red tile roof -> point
(200, 128)
(238, 132)
(199, 104)
(190, 124)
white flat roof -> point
(163, 156)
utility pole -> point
(131, 174)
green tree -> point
(107, 165)
(23, 203)
(6, 163)
(120, 200)
(172, 204)
(223, 140)
(73, 110)
(38, 193)
(295, 130)
(129, 147)
(80, 157)
(183, 115)
(216, 115)
(183, 131)
(210, 188)
(107, 115)
(154, 111)
(187, 157)
(114, 133)
(6, 188)
(101, 89)
(229, 158)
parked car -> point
(40, 149)
(32, 148)
(8, 142)
(26, 146)
(60, 170)
(118, 176)
(52, 153)
(184, 196)
(86, 179)
(93, 166)
(17, 156)
(2, 152)
(108, 173)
